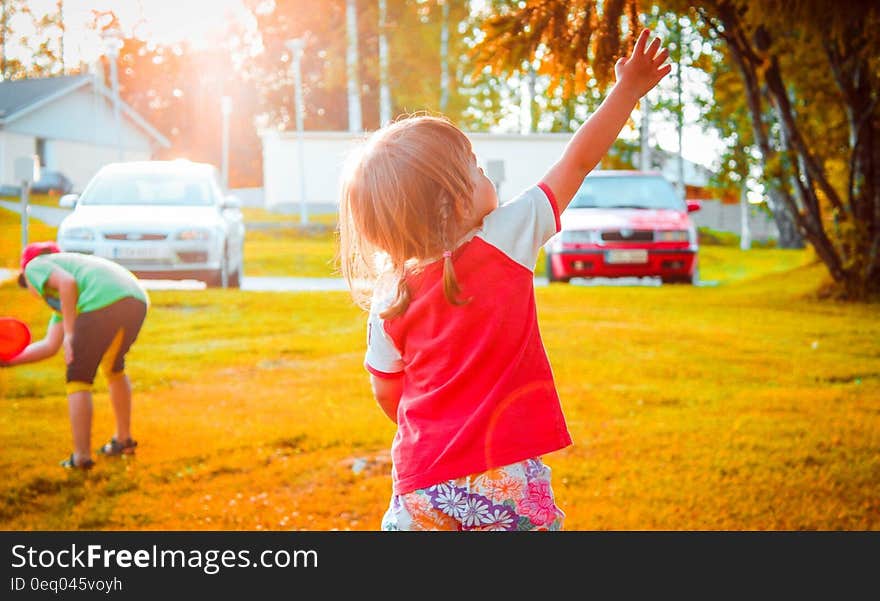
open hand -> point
(644, 68)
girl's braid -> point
(450, 282)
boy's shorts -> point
(513, 497)
(102, 338)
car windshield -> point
(191, 189)
(627, 192)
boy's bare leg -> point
(80, 406)
(120, 398)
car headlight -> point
(672, 236)
(578, 236)
(78, 233)
(194, 234)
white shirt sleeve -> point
(520, 227)
(382, 357)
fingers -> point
(661, 73)
(653, 48)
(661, 56)
(641, 42)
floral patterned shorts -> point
(513, 497)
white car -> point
(160, 220)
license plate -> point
(137, 252)
(626, 256)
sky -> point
(163, 21)
(168, 21)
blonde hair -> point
(405, 196)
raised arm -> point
(635, 75)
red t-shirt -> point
(478, 391)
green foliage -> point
(574, 43)
(809, 72)
(36, 38)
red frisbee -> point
(14, 337)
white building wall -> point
(80, 161)
(525, 159)
(81, 116)
(728, 218)
(325, 154)
(80, 136)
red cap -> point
(35, 249)
(30, 252)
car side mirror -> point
(68, 201)
(694, 205)
(231, 202)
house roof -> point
(21, 96)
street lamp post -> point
(225, 110)
(296, 46)
(745, 241)
(112, 43)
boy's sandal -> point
(115, 447)
(70, 463)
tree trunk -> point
(355, 122)
(782, 206)
(444, 58)
(789, 234)
(384, 89)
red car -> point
(625, 224)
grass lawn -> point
(291, 250)
(750, 405)
(10, 237)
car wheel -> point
(235, 278)
(220, 277)
(214, 279)
(694, 279)
(551, 274)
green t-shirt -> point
(100, 282)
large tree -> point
(812, 65)
(812, 82)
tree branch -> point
(783, 109)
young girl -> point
(453, 348)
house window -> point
(41, 151)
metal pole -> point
(644, 126)
(682, 189)
(355, 122)
(111, 49)
(297, 47)
(116, 113)
(25, 209)
(384, 90)
(225, 110)
(745, 242)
